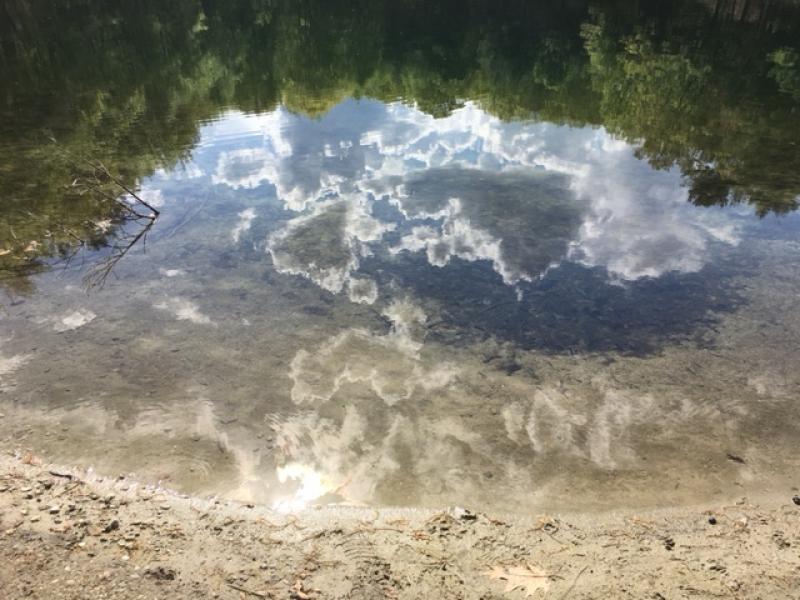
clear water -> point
(379, 290)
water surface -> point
(508, 258)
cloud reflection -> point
(469, 186)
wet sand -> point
(69, 534)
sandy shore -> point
(68, 534)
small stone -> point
(55, 509)
(164, 506)
(464, 514)
(712, 520)
(112, 526)
(796, 500)
(34, 519)
(161, 573)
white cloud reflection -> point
(326, 246)
(634, 221)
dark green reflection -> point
(710, 87)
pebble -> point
(55, 509)
(712, 520)
(164, 506)
(796, 500)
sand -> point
(69, 534)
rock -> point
(464, 514)
(55, 509)
(160, 573)
(735, 458)
(164, 506)
(112, 526)
(712, 520)
(796, 500)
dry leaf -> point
(30, 459)
(528, 578)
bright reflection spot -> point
(311, 486)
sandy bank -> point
(66, 534)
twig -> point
(370, 530)
(247, 591)
(99, 274)
(126, 188)
(574, 581)
(322, 533)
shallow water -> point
(355, 297)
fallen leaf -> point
(528, 578)
(30, 459)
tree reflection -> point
(711, 88)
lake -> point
(513, 256)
